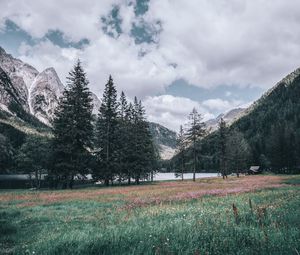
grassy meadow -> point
(247, 215)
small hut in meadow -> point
(255, 170)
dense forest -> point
(115, 145)
(268, 135)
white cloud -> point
(136, 76)
(229, 42)
(75, 18)
(172, 111)
(217, 104)
(46, 54)
(211, 42)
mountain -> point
(229, 117)
(20, 74)
(37, 93)
(8, 93)
(270, 126)
(44, 95)
(28, 99)
(165, 140)
(96, 103)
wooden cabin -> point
(255, 170)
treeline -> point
(115, 145)
(231, 150)
(268, 136)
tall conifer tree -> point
(195, 132)
(122, 137)
(222, 148)
(145, 158)
(106, 134)
(72, 127)
(181, 146)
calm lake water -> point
(187, 176)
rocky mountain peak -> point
(44, 95)
(2, 51)
(229, 117)
(290, 77)
(20, 74)
(38, 93)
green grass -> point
(199, 226)
(293, 180)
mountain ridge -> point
(270, 126)
(38, 92)
(38, 95)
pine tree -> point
(106, 134)
(6, 154)
(130, 157)
(196, 130)
(123, 106)
(122, 138)
(33, 157)
(72, 128)
(181, 146)
(222, 148)
(138, 136)
(144, 156)
(237, 151)
(276, 147)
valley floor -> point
(247, 215)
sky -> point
(214, 55)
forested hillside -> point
(271, 127)
(164, 139)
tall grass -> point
(263, 222)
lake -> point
(186, 176)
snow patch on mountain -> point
(44, 95)
(38, 93)
(21, 75)
(96, 103)
(166, 152)
(229, 117)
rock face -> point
(96, 103)
(36, 93)
(228, 117)
(44, 95)
(165, 140)
(8, 94)
(20, 74)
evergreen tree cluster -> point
(234, 151)
(72, 129)
(190, 140)
(114, 146)
(123, 144)
(268, 136)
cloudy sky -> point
(214, 55)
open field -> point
(161, 218)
